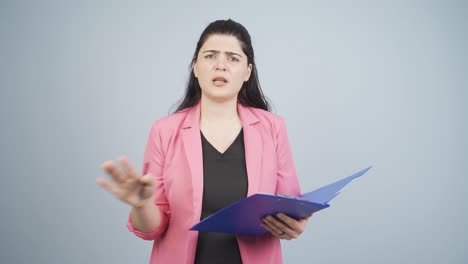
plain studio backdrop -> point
(359, 84)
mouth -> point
(219, 81)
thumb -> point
(147, 179)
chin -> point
(218, 97)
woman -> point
(222, 144)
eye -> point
(233, 59)
(209, 56)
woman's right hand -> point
(128, 186)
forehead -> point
(222, 43)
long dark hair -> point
(250, 94)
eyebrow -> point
(227, 52)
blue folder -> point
(244, 216)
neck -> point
(219, 112)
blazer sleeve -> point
(153, 163)
(287, 181)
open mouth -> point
(219, 81)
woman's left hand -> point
(284, 227)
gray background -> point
(359, 84)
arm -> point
(150, 220)
(282, 226)
(287, 181)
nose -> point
(220, 63)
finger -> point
(128, 167)
(111, 188)
(114, 172)
(283, 226)
(104, 184)
(275, 225)
(267, 227)
(274, 231)
(146, 192)
(147, 186)
(291, 222)
(296, 226)
(147, 179)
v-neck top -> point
(224, 182)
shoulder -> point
(169, 124)
(270, 120)
(173, 119)
(265, 115)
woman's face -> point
(221, 68)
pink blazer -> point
(173, 155)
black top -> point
(224, 182)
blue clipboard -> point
(244, 216)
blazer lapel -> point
(193, 151)
(253, 147)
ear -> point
(249, 69)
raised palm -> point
(128, 185)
